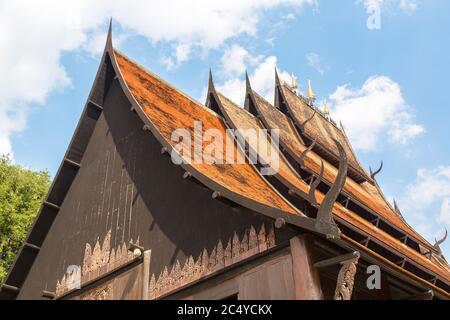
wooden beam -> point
(31, 246)
(306, 277)
(164, 151)
(280, 223)
(337, 260)
(146, 274)
(376, 221)
(10, 288)
(187, 175)
(428, 295)
(48, 295)
(72, 163)
(95, 105)
(52, 205)
(365, 241)
(216, 195)
(133, 247)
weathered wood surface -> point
(305, 275)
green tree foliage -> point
(21, 194)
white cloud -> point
(426, 202)
(181, 54)
(408, 5)
(374, 111)
(314, 62)
(390, 6)
(431, 185)
(262, 79)
(95, 42)
(234, 60)
(34, 34)
(289, 16)
(444, 214)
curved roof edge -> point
(64, 178)
(417, 237)
(252, 95)
(297, 220)
(224, 113)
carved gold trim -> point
(96, 262)
(101, 293)
(220, 257)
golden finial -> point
(325, 108)
(293, 82)
(310, 95)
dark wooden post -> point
(306, 278)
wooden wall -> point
(126, 191)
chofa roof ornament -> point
(310, 93)
(326, 110)
(373, 174)
(303, 124)
(294, 85)
(439, 242)
(324, 214)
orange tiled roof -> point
(320, 129)
(168, 110)
(365, 193)
(241, 118)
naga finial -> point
(439, 242)
(325, 210)
(373, 174)
(314, 185)
(303, 124)
(304, 153)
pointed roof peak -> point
(109, 36)
(247, 82)
(277, 77)
(211, 95)
(211, 85)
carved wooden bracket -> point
(346, 276)
(346, 280)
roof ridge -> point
(145, 69)
(311, 107)
(365, 222)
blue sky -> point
(388, 86)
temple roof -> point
(366, 193)
(241, 118)
(168, 110)
(318, 128)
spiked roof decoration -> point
(326, 111)
(310, 94)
